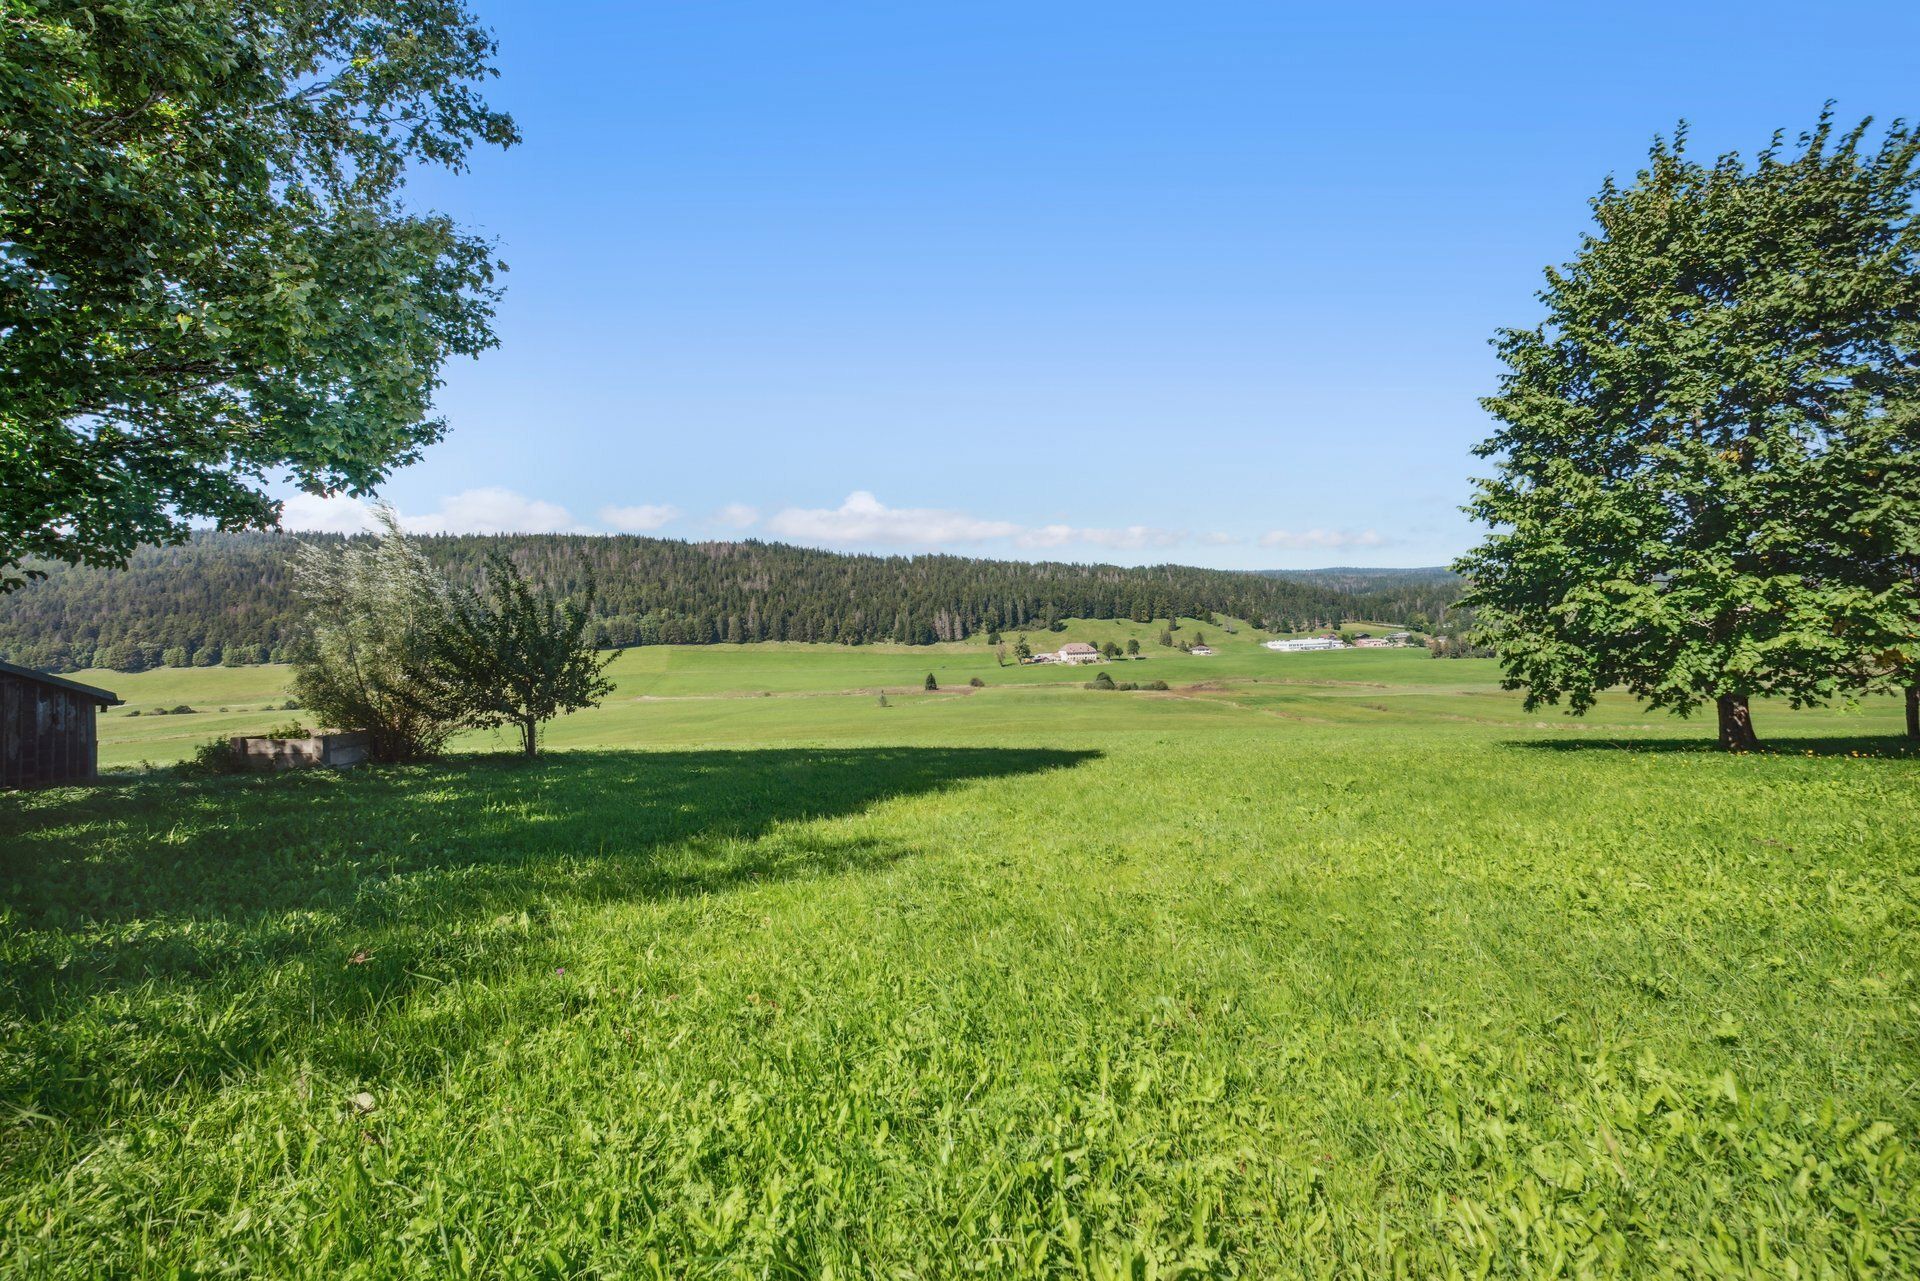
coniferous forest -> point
(225, 598)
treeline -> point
(227, 599)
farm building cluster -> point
(1073, 652)
(1307, 644)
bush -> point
(1102, 681)
(977, 683)
(1155, 685)
(215, 757)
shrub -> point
(377, 615)
(214, 757)
(1102, 681)
(1155, 685)
(931, 684)
(977, 683)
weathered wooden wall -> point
(46, 734)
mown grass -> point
(1335, 965)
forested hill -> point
(226, 598)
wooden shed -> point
(46, 728)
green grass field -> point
(1317, 964)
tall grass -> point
(1341, 977)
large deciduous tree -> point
(207, 275)
(1697, 491)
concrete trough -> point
(333, 749)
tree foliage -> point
(520, 655)
(1693, 495)
(207, 274)
(377, 620)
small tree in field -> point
(1133, 647)
(521, 656)
(1695, 493)
(932, 685)
(1021, 650)
(1000, 654)
(377, 617)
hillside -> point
(225, 598)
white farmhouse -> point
(1077, 652)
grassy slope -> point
(1345, 965)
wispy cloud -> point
(861, 521)
(488, 510)
(1321, 539)
(333, 514)
(864, 520)
(1128, 538)
(640, 519)
(493, 510)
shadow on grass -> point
(1875, 747)
(171, 930)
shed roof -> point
(106, 698)
(1078, 647)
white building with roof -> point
(1303, 644)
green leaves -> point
(208, 274)
(1725, 380)
(516, 656)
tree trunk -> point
(529, 737)
(1913, 711)
(1736, 724)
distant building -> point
(1077, 652)
(47, 728)
(1372, 642)
(1303, 644)
(1202, 651)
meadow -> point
(1315, 964)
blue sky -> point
(1208, 283)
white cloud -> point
(1133, 537)
(493, 510)
(1321, 539)
(1130, 538)
(333, 514)
(864, 519)
(638, 519)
